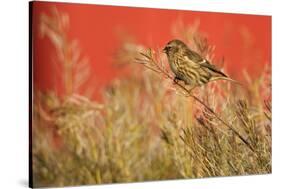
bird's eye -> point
(168, 47)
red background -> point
(95, 28)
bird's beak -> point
(164, 50)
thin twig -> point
(149, 58)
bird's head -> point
(173, 47)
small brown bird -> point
(189, 66)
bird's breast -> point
(174, 65)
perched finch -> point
(189, 66)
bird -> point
(189, 67)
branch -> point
(150, 62)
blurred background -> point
(242, 40)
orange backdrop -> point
(244, 40)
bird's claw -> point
(176, 80)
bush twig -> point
(150, 61)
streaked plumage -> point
(189, 66)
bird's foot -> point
(176, 79)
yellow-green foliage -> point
(143, 131)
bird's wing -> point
(194, 57)
(212, 68)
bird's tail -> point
(225, 78)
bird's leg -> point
(176, 79)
